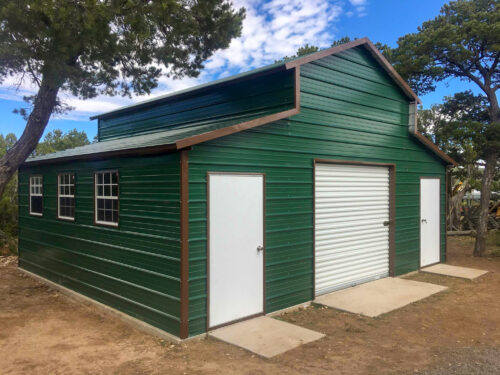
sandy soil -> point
(454, 332)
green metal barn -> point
(243, 196)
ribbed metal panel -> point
(134, 267)
(341, 120)
(351, 241)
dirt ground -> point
(453, 332)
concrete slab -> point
(379, 297)
(265, 336)
(454, 271)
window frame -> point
(39, 214)
(59, 216)
(107, 223)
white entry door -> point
(351, 225)
(429, 221)
(236, 253)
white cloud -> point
(271, 30)
(360, 6)
(275, 28)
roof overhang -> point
(293, 64)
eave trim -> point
(433, 147)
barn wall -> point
(230, 104)
(351, 110)
(133, 268)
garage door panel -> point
(351, 241)
(340, 233)
(360, 271)
(364, 220)
(376, 254)
(361, 240)
(326, 254)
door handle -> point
(424, 221)
(386, 223)
(260, 248)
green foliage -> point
(8, 205)
(301, 51)
(59, 141)
(459, 126)
(308, 49)
(53, 141)
(463, 41)
(112, 46)
(343, 40)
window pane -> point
(100, 215)
(36, 204)
(106, 188)
(108, 215)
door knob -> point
(260, 248)
(424, 221)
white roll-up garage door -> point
(351, 231)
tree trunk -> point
(37, 121)
(482, 227)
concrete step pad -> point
(379, 297)
(265, 336)
(454, 271)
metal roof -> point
(147, 141)
(169, 139)
(156, 100)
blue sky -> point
(272, 29)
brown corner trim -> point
(297, 88)
(184, 202)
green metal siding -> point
(134, 268)
(350, 109)
(231, 104)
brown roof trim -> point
(434, 148)
(390, 70)
(196, 139)
(326, 52)
(191, 141)
(187, 142)
(365, 42)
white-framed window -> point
(66, 196)
(36, 195)
(106, 198)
